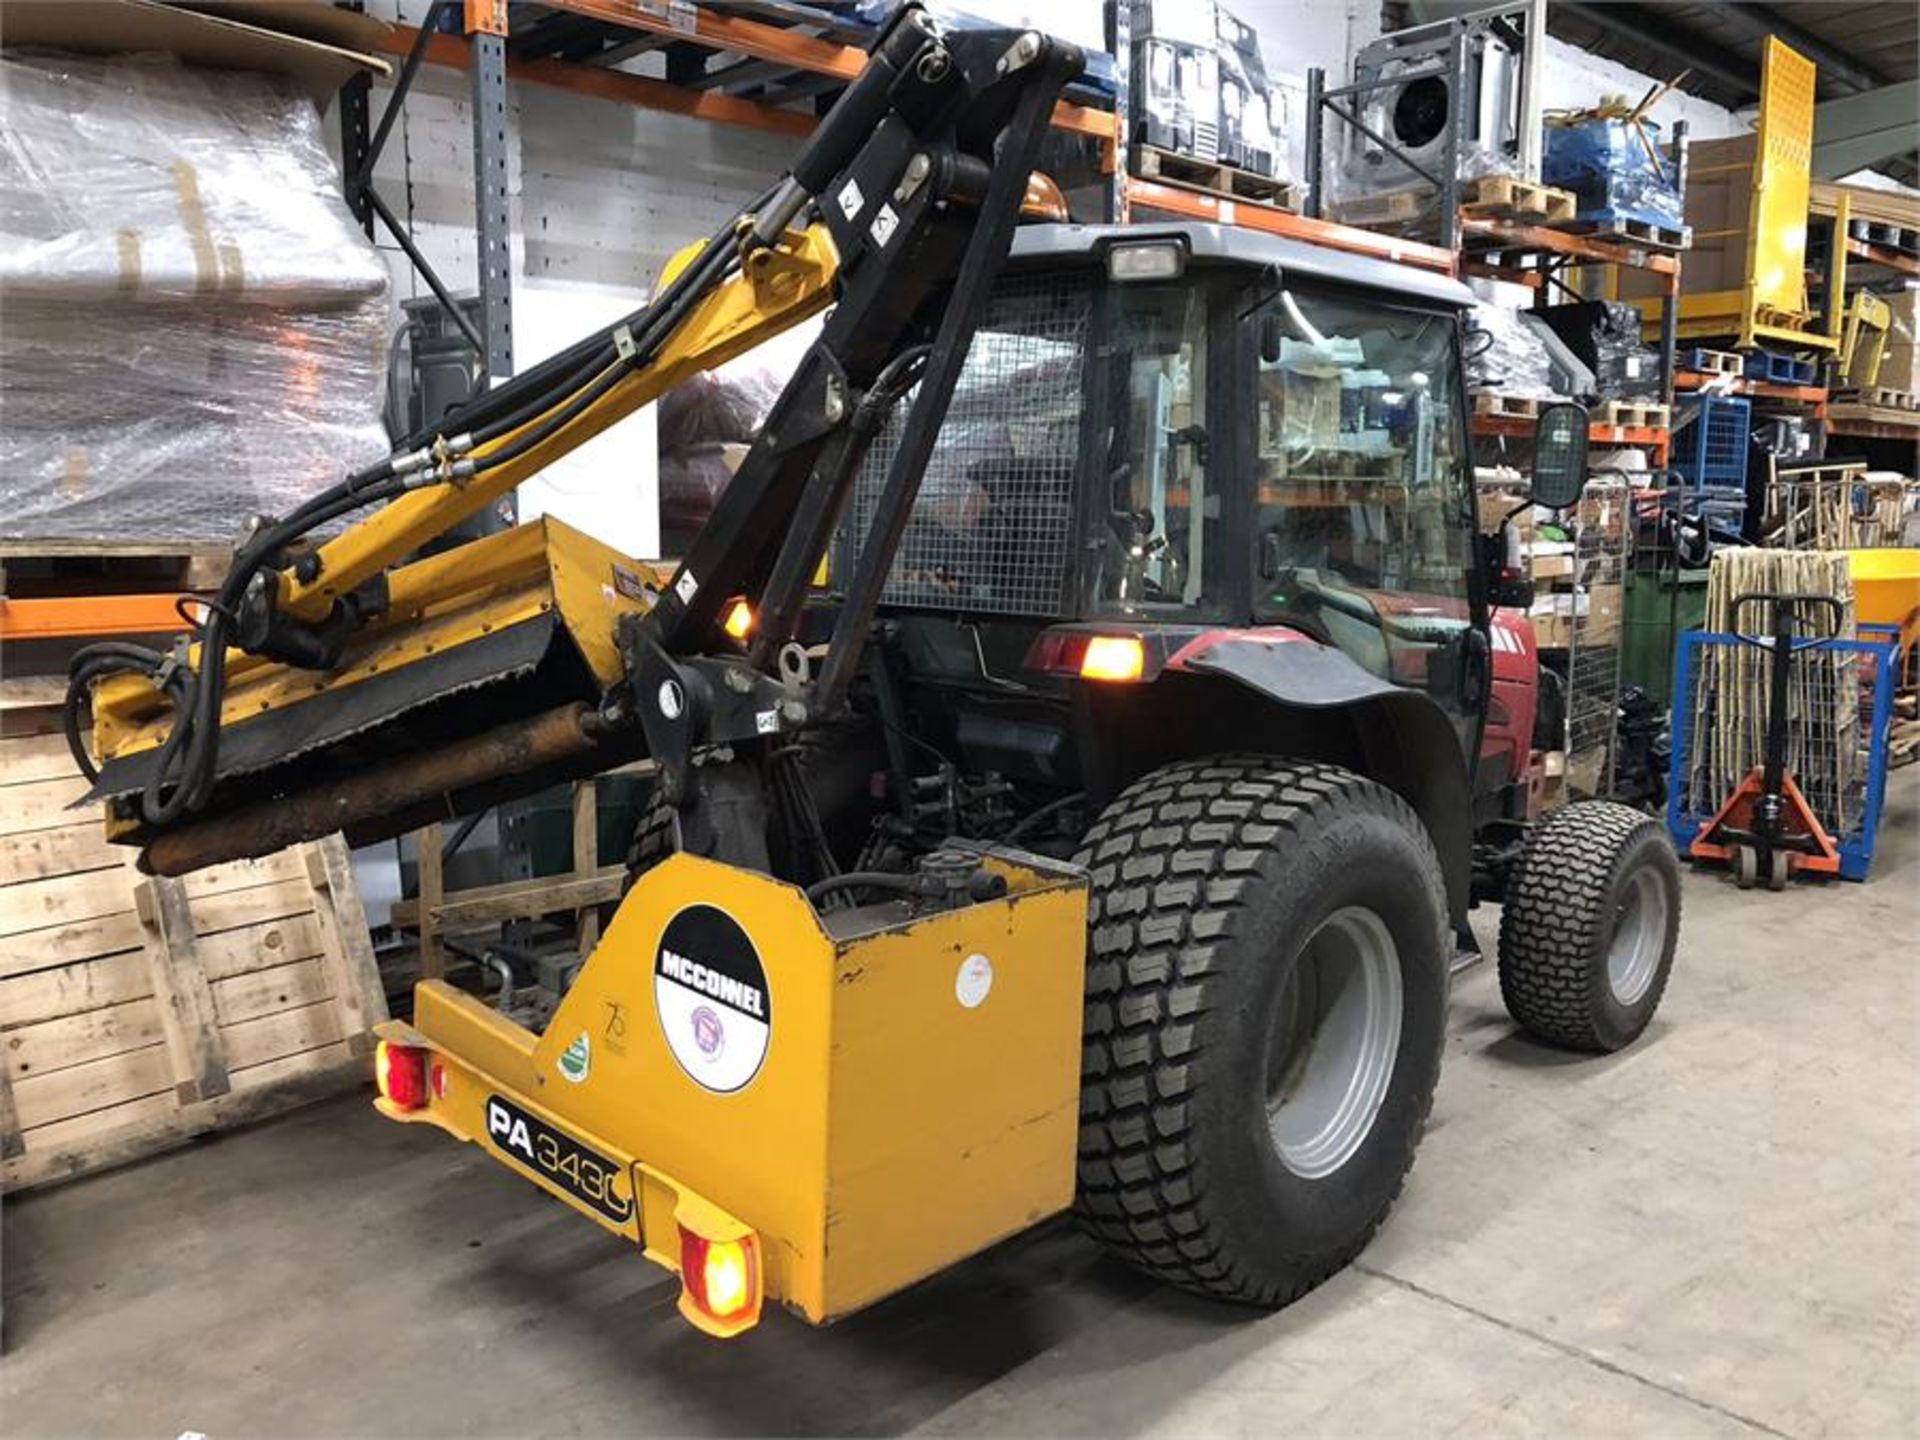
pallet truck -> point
(1766, 829)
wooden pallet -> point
(1502, 197)
(110, 567)
(1506, 407)
(1621, 231)
(1172, 168)
(1638, 414)
(1881, 396)
(137, 1012)
(1394, 207)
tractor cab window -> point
(1360, 531)
(1157, 521)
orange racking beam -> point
(605, 84)
(761, 42)
(1515, 238)
(1198, 205)
(783, 47)
(67, 616)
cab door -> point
(1362, 530)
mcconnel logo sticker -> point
(710, 991)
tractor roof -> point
(1233, 245)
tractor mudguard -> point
(1409, 741)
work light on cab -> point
(720, 1282)
(401, 1073)
(1147, 260)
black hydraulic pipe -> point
(986, 251)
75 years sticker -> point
(710, 991)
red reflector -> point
(721, 1277)
(401, 1073)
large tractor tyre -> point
(1266, 1008)
(1588, 928)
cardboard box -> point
(1605, 604)
(1493, 506)
(310, 42)
(1552, 632)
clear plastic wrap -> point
(196, 329)
(717, 407)
(1505, 355)
(1615, 170)
(1411, 106)
(1604, 335)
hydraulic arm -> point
(337, 687)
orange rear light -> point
(739, 620)
(1044, 199)
(1113, 657)
(720, 1282)
(401, 1073)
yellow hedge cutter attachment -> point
(781, 1095)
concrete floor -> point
(1717, 1232)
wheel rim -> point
(1335, 1036)
(1639, 936)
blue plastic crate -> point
(1710, 446)
(1694, 357)
(1775, 369)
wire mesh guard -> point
(1593, 661)
(992, 527)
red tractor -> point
(1100, 831)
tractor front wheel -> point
(1588, 927)
(1266, 1008)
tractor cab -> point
(1195, 453)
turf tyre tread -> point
(1178, 862)
(1552, 977)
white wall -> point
(601, 195)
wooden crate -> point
(138, 1012)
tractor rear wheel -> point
(1266, 1009)
(1588, 927)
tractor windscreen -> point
(1360, 483)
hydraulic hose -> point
(504, 425)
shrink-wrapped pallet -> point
(195, 330)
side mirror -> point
(1559, 455)
(1271, 334)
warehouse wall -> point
(601, 195)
